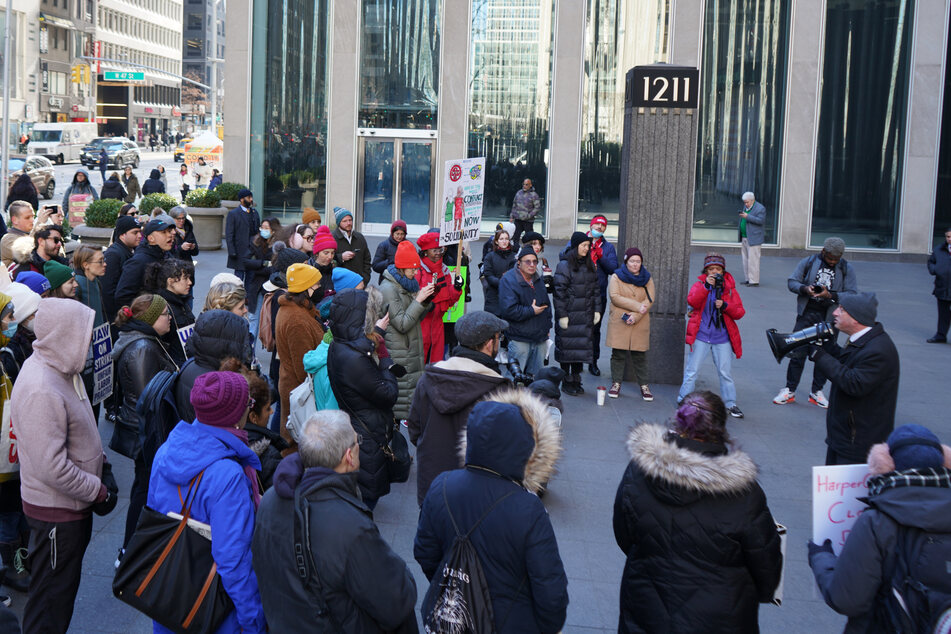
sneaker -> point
(735, 412)
(646, 393)
(615, 390)
(785, 396)
(818, 398)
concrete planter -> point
(93, 236)
(230, 204)
(209, 225)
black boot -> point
(569, 387)
(593, 369)
(578, 389)
(17, 577)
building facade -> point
(65, 33)
(203, 40)
(834, 112)
(25, 82)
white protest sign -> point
(102, 363)
(184, 333)
(835, 504)
(461, 207)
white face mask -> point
(27, 325)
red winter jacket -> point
(697, 298)
(434, 339)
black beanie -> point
(286, 256)
(577, 238)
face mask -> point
(11, 330)
(29, 325)
(596, 234)
(265, 233)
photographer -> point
(818, 281)
(447, 392)
(715, 306)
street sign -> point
(115, 75)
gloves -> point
(549, 283)
(398, 370)
(815, 550)
(563, 323)
(457, 282)
(597, 318)
(105, 506)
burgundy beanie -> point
(632, 252)
(220, 398)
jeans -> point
(530, 355)
(722, 359)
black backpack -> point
(919, 591)
(157, 412)
(458, 601)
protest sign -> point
(458, 309)
(463, 184)
(835, 503)
(78, 204)
(102, 363)
(183, 334)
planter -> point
(93, 236)
(230, 204)
(209, 226)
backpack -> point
(157, 412)
(458, 600)
(303, 405)
(919, 591)
(266, 325)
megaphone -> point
(783, 343)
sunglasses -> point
(56, 240)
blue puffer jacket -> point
(515, 307)
(223, 500)
(515, 542)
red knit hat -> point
(406, 256)
(428, 241)
(323, 239)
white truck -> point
(61, 142)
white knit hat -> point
(25, 301)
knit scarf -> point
(410, 285)
(934, 477)
(249, 472)
(625, 275)
(597, 249)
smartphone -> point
(55, 208)
(625, 316)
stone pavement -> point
(784, 440)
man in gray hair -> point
(752, 237)
(819, 282)
(316, 551)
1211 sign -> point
(664, 86)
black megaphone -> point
(783, 343)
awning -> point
(55, 21)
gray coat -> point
(404, 338)
(755, 224)
(805, 275)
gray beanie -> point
(863, 307)
(475, 328)
(834, 246)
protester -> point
(12, 521)
(604, 256)
(386, 250)
(344, 546)
(405, 298)
(908, 515)
(261, 251)
(35, 281)
(210, 456)
(23, 190)
(524, 303)
(631, 292)
(310, 217)
(125, 239)
(446, 292)
(131, 184)
(578, 309)
(227, 296)
(525, 207)
(89, 265)
(63, 473)
(299, 237)
(864, 376)
(153, 184)
(276, 286)
(323, 248)
(159, 237)
(266, 444)
(21, 225)
(47, 243)
(715, 307)
(112, 188)
(447, 392)
(79, 186)
(939, 265)
(512, 446)
(690, 517)
(537, 242)
(499, 260)
(241, 226)
(352, 250)
(62, 280)
(20, 346)
(185, 246)
(171, 280)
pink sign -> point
(835, 501)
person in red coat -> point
(432, 269)
(715, 306)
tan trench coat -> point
(627, 298)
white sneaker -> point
(785, 396)
(818, 398)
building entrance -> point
(395, 179)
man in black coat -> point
(353, 253)
(447, 392)
(159, 237)
(241, 225)
(939, 265)
(864, 377)
(366, 587)
(125, 239)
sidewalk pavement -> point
(785, 441)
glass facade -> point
(862, 111)
(742, 106)
(942, 203)
(289, 106)
(619, 35)
(399, 64)
(509, 97)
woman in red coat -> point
(432, 269)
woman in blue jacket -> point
(215, 446)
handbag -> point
(168, 573)
(303, 405)
(9, 461)
(125, 439)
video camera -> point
(518, 377)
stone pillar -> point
(658, 168)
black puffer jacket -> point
(702, 548)
(112, 188)
(132, 280)
(577, 296)
(364, 387)
(181, 316)
(23, 189)
(153, 184)
(186, 235)
(494, 266)
(385, 256)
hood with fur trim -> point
(679, 475)
(507, 450)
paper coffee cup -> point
(602, 392)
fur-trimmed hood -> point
(681, 475)
(526, 453)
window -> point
(58, 83)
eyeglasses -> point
(309, 238)
(527, 262)
(165, 313)
(359, 441)
(99, 261)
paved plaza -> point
(785, 441)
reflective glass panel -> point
(742, 103)
(509, 96)
(942, 209)
(620, 34)
(399, 64)
(862, 112)
(378, 181)
(415, 173)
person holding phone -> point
(353, 252)
(525, 305)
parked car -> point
(90, 154)
(122, 152)
(179, 153)
(40, 171)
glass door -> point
(396, 183)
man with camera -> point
(447, 392)
(819, 282)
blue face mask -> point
(10, 331)
(596, 234)
(265, 233)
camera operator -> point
(818, 282)
(715, 306)
(447, 392)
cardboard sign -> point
(78, 204)
(184, 333)
(102, 363)
(835, 503)
(461, 216)
(458, 309)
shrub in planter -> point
(102, 213)
(229, 191)
(150, 202)
(202, 197)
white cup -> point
(602, 392)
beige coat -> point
(627, 298)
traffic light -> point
(87, 79)
(76, 74)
